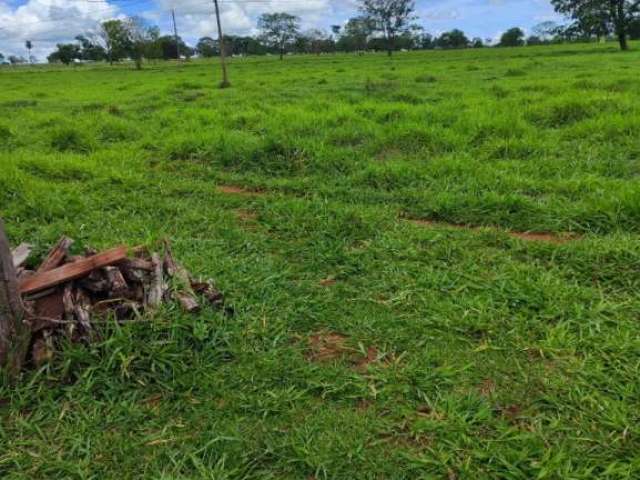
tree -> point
(634, 29)
(453, 39)
(600, 17)
(355, 34)
(90, 50)
(65, 53)
(318, 41)
(207, 47)
(514, 37)
(426, 41)
(16, 60)
(390, 17)
(140, 34)
(477, 42)
(29, 46)
(533, 40)
(1, 58)
(115, 36)
(166, 47)
(278, 30)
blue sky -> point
(47, 22)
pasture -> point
(433, 260)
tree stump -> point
(14, 332)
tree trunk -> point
(621, 27)
(622, 38)
(14, 333)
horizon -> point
(49, 22)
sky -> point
(47, 22)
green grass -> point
(494, 357)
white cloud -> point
(47, 22)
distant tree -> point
(533, 40)
(1, 58)
(601, 16)
(426, 41)
(335, 30)
(207, 47)
(278, 30)
(514, 37)
(634, 29)
(477, 43)
(140, 34)
(166, 46)
(355, 34)
(29, 46)
(16, 60)
(319, 41)
(65, 53)
(453, 39)
(115, 36)
(90, 49)
(392, 18)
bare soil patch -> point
(329, 346)
(236, 190)
(547, 237)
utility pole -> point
(175, 33)
(225, 78)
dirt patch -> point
(235, 190)
(327, 282)
(546, 237)
(329, 346)
(362, 363)
(487, 387)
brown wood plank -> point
(72, 271)
(56, 255)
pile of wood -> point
(69, 294)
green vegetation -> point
(364, 345)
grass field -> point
(378, 333)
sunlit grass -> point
(495, 357)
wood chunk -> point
(20, 254)
(183, 292)
(95, 282)
(117, 284)
(47, 310)
(157, 285)
(210, 292)
(187, 302)
(56, 255)
(72, 271)
(82, 309)
(138, 264)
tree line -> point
(382, 25)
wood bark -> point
(20, 254)
(56, 255)
(14, 332)
(72, 271)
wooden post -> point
(225, 77)
(14, 332)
